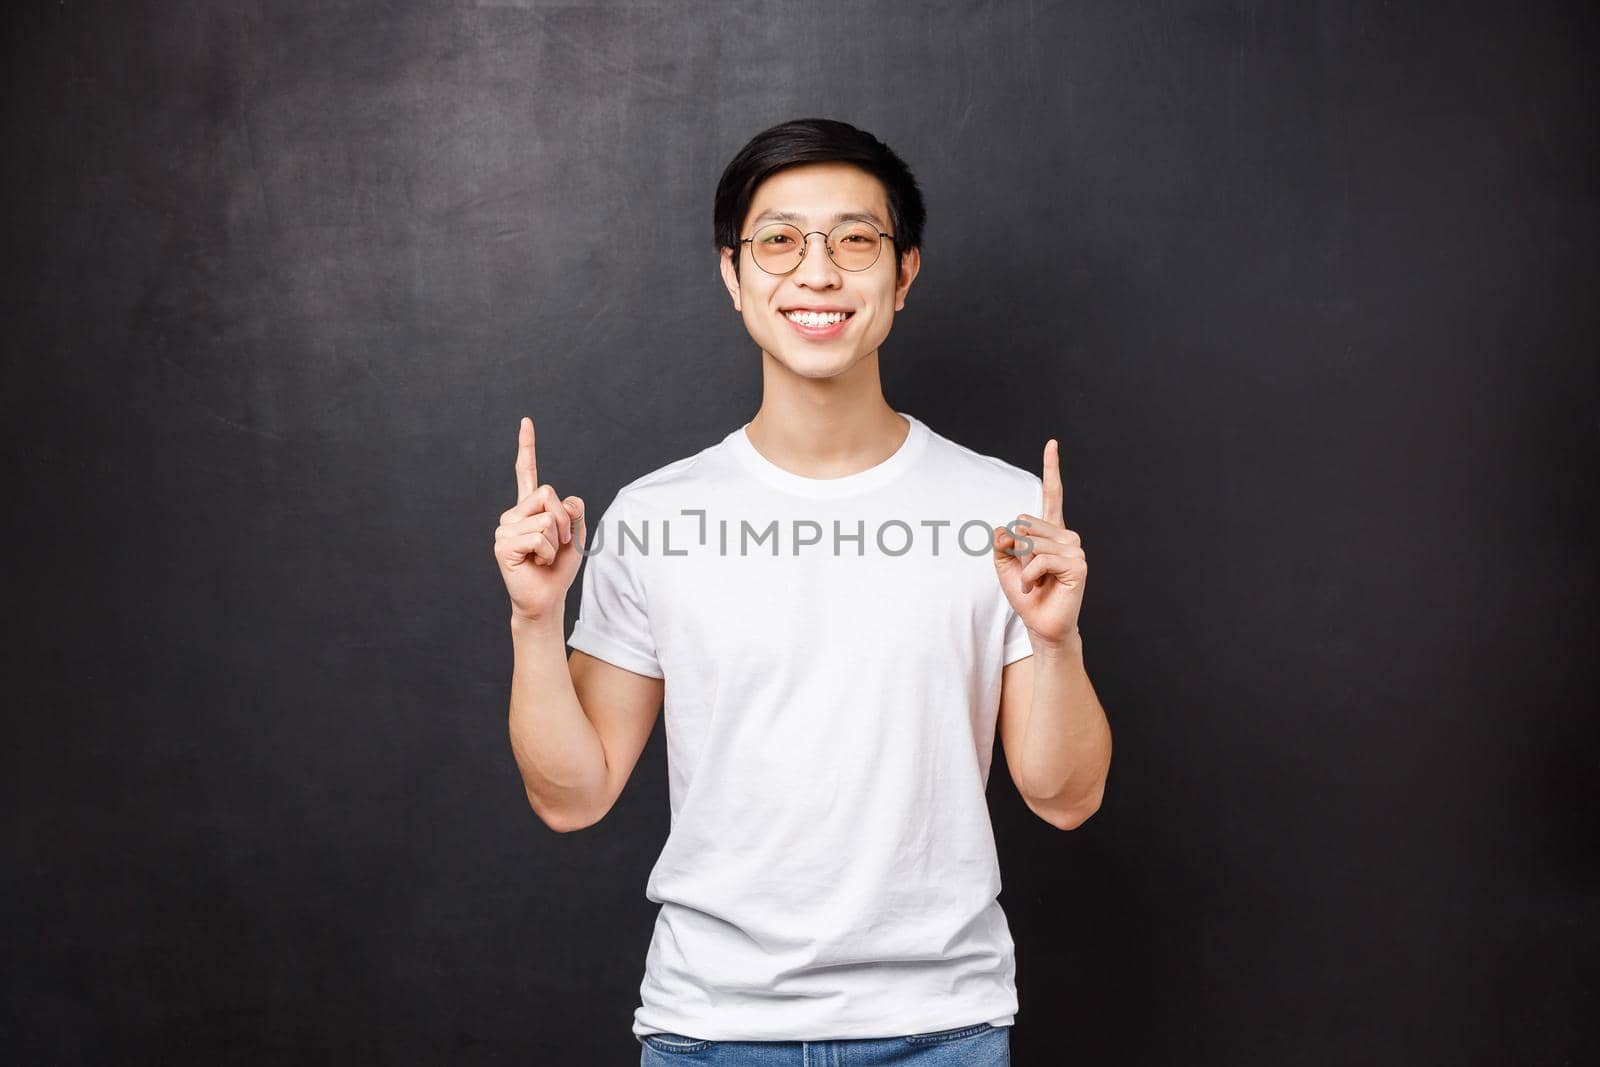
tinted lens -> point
(855, 245)
(777, 247)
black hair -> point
(799, 141)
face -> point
(818, 192)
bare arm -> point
(577, 725)
(1055, 734)
(1057, 740)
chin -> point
(817, 364)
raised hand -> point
(1042, 568)
(539, 540)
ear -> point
(910, 264)
(730, 277)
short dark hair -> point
(799, 141)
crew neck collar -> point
(873, 477)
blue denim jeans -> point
(980, 1045)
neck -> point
(825, 427)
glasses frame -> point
(805, 246)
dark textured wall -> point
(1308, 292)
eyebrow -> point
(793, 216)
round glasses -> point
(778, 247)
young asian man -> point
(839, 609)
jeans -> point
(979, 1045)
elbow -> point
(567, 824)
(1070, 818)
(562, 820)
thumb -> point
(580, 529)
(1004, 542)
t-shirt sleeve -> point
(613, 616)
(1018, 644)
(1030, 499)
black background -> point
(1307, 291)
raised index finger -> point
(527, 469)
(1052, 482)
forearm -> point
(557, 749)
(1067, 744)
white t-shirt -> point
(830, 871)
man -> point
(808, 596)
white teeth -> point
(816, 318)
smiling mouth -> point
(817, 320)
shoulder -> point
(665, 486)
(1001, 484)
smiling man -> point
(840, 608)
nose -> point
(816, 268)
